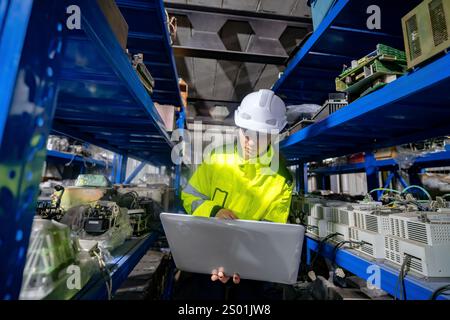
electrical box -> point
(332, 105)
(426, 31)
(425, 238)
(370, 226)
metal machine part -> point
(101, 217)
(140, 221)
(333, 104)
(51, 208)
(143, 73)
(365, 72)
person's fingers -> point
(236, 278)
(233, 216)
(224, 279)
(214, 276)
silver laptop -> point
(255, 250)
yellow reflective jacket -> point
(253, 191)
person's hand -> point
(226, 215)
(219, 274)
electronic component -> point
(370, 226)
(101, 217)
(426, 31)
(51, 208)
(339, 220)
(143, 73)
(424, 237)
(333, 104)
(364, 75)
(140, 221)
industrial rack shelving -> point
(79, 83)
(412, 108)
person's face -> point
(253, 143)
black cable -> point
(319, 248)
(440, 291)
(342, 243)
(404, 269)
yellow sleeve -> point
(280, 208)
(196, 196)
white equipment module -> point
(425, 237)
(371, 224)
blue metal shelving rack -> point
(79, 83)
(412, 108)
(404, 111)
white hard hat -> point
(261, 111)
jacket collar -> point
(267, 156)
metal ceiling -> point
(233, 51)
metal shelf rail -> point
(409, 109)
(79, 83)
(416, 288)
(431, 160)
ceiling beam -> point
(181, 8)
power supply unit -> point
(371, 226)
(330, 106)
(426, 31)
(373, 242)
(423, 237)
(343, 231)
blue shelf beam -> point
(416, 289)
(431, 160)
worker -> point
(241, 181)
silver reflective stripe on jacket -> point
(192, 191)
(196, 204)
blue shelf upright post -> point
(30, 50)
(301, 178)
(305, 177)
(414, 178)
(120, 169)
(372, 172)
(177, 183)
